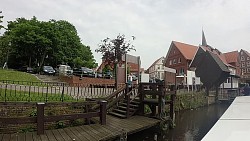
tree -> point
(113, 49)
(36, 43)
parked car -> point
(65, 70)
(83, 72)
(26, 69)
(99, 75)
(48, 70)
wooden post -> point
(160, 96)
(141, 97)
(103, 112)
(128, 99)
(40, 118)
(87, 110)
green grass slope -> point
(17, 76)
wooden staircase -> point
(121, 110)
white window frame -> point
(174, 62)
(179, 60)
(248, 58)
(242, 58)
(170, 62)
(248, 64)
(243, 64)
(243, 70)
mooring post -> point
(103, 112)
(40, 118)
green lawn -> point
(17, 76)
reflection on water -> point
(191, 125)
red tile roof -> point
(188, 51)
(232, 57)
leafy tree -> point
(113, 49)
(36, 43)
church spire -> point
(204, 42)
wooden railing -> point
(40, 118)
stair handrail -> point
(129, 99)
(110, 97)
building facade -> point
(156, 70)
(179, 57)
(245, 66)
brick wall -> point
(86, 80)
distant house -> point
(245, 66)
(156, 70)
(179, 57)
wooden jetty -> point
(234, 124)
(115, 127)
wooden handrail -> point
(40, 119)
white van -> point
(65, 70)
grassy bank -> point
(190, 100)
(17, 76)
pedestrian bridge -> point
(234, 124)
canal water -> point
(191, 125)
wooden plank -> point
(57, 135)
(79, 134)
(23, 120)
(6, 137)
(64, 134)
(28, 136)
(50, 135)
(36, 137)
(99, 130)
(1, 137)
(91, 134)
(84, 133)
(21, 137)
(13, 137)
(71, 134)
(44, 138)
(70, 117)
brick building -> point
(245, 66)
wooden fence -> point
(40, 119)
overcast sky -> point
(154, 23)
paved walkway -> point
(234, 124)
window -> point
(242, 58)
(243, 64)
(174, 62)
(181, 71)
(248, 70)
(241, 53)
(162, 61)
(248, 58)
(179, 61)
(170, 62)
(248, 64)
(159, 67)
(243, 71)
